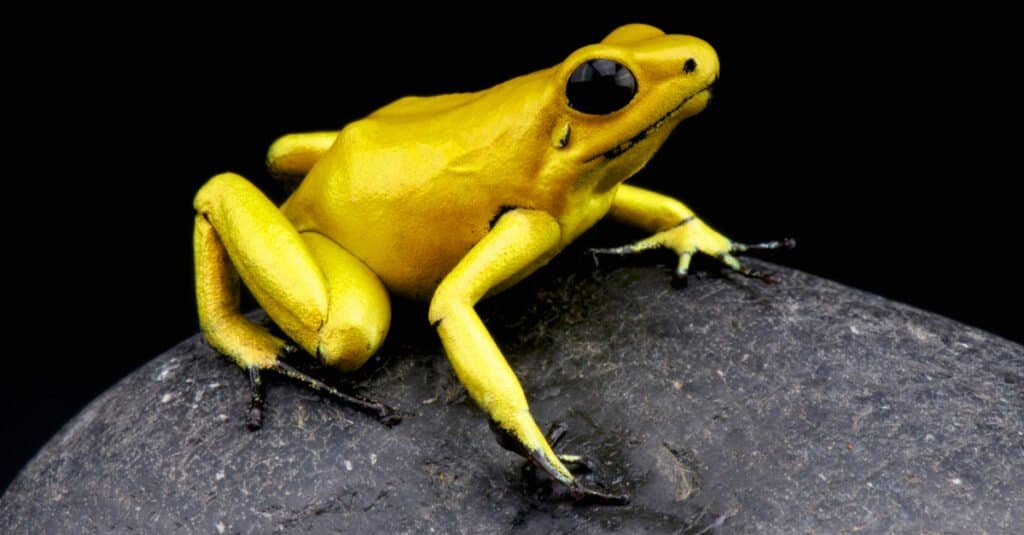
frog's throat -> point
(617, 150)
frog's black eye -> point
(600, 86)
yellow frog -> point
(449, 199)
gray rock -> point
(728, 406)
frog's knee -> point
(219, 187)
(348, 348)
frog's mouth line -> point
(617, 150)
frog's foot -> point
(575, 463)
(384, 414)
(583, 494)
(693, 235)
(254, 418)
(734, 264)
(580, 492)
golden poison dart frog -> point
(449, 199)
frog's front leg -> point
(678, 228)
(291, 156)
(324, 298)
(520, 241)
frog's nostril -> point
(689, 66)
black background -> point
(886, 143)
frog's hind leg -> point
(326, 300)
(358, 316)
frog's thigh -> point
(358, 311)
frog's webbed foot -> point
(581, 493)
(254, 420)
(691, 236)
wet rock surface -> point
(727, 406)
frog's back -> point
(413, 186)
(424, 106)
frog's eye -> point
(600, 86)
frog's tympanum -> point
(450, 199)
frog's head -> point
(622, 97)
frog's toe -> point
(384, 414)
(388, 416)
(787, 243)
(646, 244)
(683, 267)
(540, 484)
(538, 475)
(735, 247)
(577, 464)
(585, 495)
(254, 418)
(732, 263)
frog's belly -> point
(411, 249)
(413, 255)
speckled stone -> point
(727, 406)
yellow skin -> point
(449, 199)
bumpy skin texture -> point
(448, 198)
